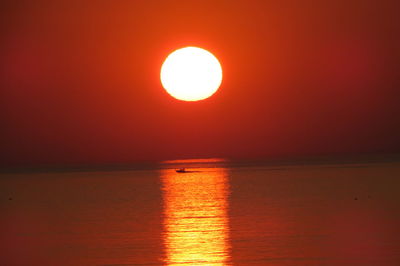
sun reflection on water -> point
(195, 217)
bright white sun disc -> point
(191, 74)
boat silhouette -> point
(183, 170)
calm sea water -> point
(214, 215)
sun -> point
(191, 74)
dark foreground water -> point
(292, 215)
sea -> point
(216, 213)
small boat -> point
(181, 170)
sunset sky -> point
(80, 81)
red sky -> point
(79, 81)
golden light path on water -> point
(196, 229)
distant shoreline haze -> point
(211, 162)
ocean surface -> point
(216, 214)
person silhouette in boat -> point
(181, 170)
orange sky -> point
(79, 82)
